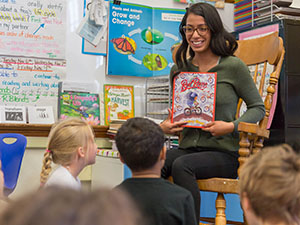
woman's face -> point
(197, 33)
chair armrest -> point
(253, 128)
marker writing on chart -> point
(42, 25)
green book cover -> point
(78, 104)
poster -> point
(33, 28)
(216, 3)
(118, 102)
(140, 39)
(194, 95)
(30, 81)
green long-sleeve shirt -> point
(233, 82)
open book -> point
(140, 39)
(194, 95)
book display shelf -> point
(157, 97)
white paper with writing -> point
(33, 28)
(30, 81)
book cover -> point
(141, 38)
(118, 102)
(78, 104)
(194, 95)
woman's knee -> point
(180, 166)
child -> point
(71, 145)
(3, 200)
(65, 206)
(270, 187)
(141, 146)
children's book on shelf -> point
(78, 104)
(118, 102)
(194, 95)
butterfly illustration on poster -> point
(141, 38)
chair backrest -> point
(12, 148)
(260, 52)
(264, 57)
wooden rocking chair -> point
(258, 53)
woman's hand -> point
(219, 128)
(171, 128)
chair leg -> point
(220, 207)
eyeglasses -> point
(201, 29)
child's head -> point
(270, 186)
(140, 142)
(69, 140)
(56, 205)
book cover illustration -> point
(194, 96)
(78, 104)
(118, 102)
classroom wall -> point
(91, 68)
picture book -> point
(118, 102)
(79, 104)
(194, 95)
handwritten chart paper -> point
(30, 81)
(33, 28)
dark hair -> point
(140, 142)
(222, 43)
(56, 205)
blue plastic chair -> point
(11, 155)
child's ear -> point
(163, 153)
(245, 202)
(81, 152)
(121, 159)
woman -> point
(212, 150)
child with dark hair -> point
(140, 143)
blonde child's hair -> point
(271, 181)
(65, 137)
